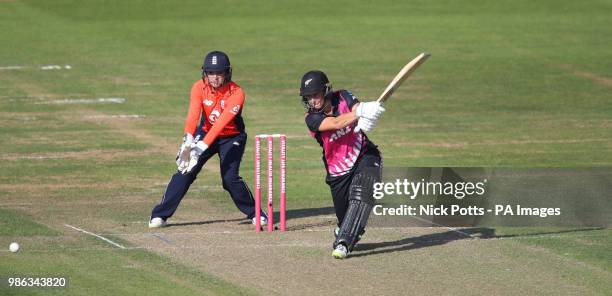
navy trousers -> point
(230, 152)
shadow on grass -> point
(205, 222)
(310, 212)
(436, 239)
(306, 213)
(291, 214)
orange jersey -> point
(221, 110)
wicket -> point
(270, 168)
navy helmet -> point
(217, 61)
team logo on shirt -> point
(214, 115)
(235, 110)
(340, 133)
(208, 102)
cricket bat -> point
(402, 75)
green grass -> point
(91, 266)
(116, 272)
(589, 245)
(509, 83)
(17, 224)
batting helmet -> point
(217, 61)
(314, 82)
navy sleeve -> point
(313, 121)
(350, 98)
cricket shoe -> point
(340, 252)
(157, 222)
(263, 219)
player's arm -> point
(370, 110)
(335, 123)
(232, 109)
(367, 113)
(319, 122)
(183, 157)
(195, 111)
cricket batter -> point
(217, 102)
(337, 120)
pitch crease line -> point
(98, 236)
(447, 227)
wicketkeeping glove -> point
(194, 156)
(182, 157)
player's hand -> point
(370, 110)
(365, 124)
(182, 157)
(194, 156)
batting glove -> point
(365, 124)
(370, 110)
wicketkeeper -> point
(338, 121)
(217, 102)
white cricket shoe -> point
(340, 252)
(263, 219)
(157, 222)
